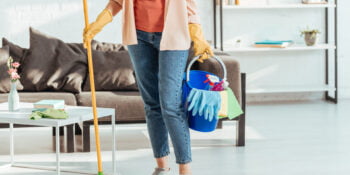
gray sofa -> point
(128, 103)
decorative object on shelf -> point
(238, 43)
(13, 97)
(310, 36)
(274, 43)
(314, 2)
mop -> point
(93, 96)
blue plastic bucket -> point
(197, 79)
(197, 122)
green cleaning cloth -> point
(234, 109)
(49, 113)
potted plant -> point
(314, 1)
(310, 36)
(238, 43)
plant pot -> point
(237, 44)
(310, 39)
(13, 98)
(312, 1)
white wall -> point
(64, 19)
(60, 18)
(344, 51)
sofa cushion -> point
(4, 53)
(53, 65)
(113, 71)
(128, 104)
(5, 79)
(16, 52)
(107, 47)
(112, 68)
(32, 97)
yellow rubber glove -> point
(102, 19)
(200, 45)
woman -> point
(158, 34)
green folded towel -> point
(234, 109)
(49, 113)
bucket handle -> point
(196, 58)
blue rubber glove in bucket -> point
(205, 103)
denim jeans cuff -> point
(162, 155)
(183, 161)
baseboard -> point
(343, 93)
(274, 97)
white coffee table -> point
(76, 114)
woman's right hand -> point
(94, 28)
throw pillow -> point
(53, 65)
(112, 71)
(16, 52)
(107, 47)
(5, 79)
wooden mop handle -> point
(86, 13)
(93, 95)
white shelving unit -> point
(278, 6)
(331, 4)
(295, 47)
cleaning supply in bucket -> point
(203, 113)
(205, 103)
(218, 86)
(197, 87)
(224, 106)
(234, 109)
(230, 107)
(206, 98)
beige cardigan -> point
(178, 13)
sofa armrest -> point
(233, 72)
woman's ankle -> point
(162, 162)
(185, 169)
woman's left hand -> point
(200, 45)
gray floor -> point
(296, 138)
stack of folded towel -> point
(54, 109)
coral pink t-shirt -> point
(149, 15)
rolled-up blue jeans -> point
(159, 76)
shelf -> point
(279, 6)
(295, 47)
(290, 89)
(295, 8)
